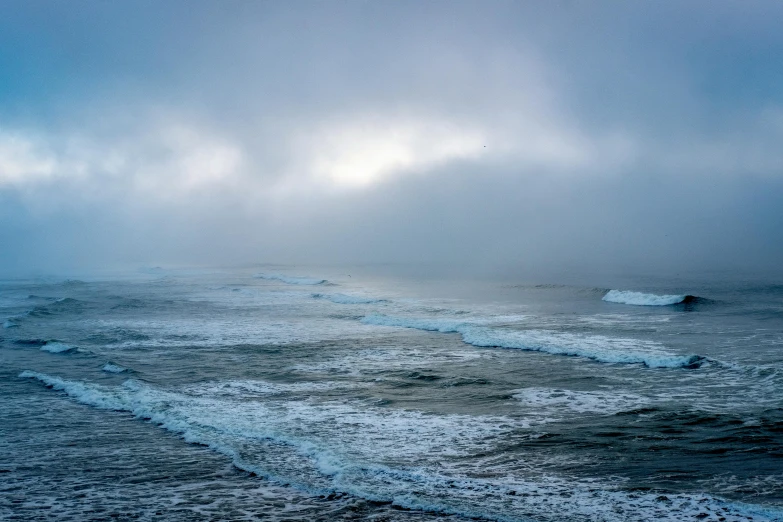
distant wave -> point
(598, 348)
(63, 304)
(57, 347)
(51, 346)
(642, 299)
(114, 368)
(10, 323)
(347, 299)
(560, 287)
(292, 280)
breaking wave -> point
(599, 348)
(389, 456)
(114, 368)
(642, 299)
(58, 347)
(292, 280)
(347, 299)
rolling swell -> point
(598, 348)
(110, 367)
(641, 299)
(58, 347)
(569, 289)
(59, 306)
(51, 345)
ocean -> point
(305, 393)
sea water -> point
(290, 393)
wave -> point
(73, 282)
(328, 447)
(578, 290)
(642, 299)
(10, 323)
(30, 342)
(51, 346)
(110, 367)
(61, 305)
(292, 280)
(598, 348)
(58, 347)
(348, 299)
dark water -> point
(219, 395)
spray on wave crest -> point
(110, 367)
(641, 299)
(58, 347)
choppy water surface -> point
(302, 395)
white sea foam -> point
(394, 455)
(247, 389)
(599, 348)
(418, 323)
(554, 400)
(641, 299)
(376, 362)
(57, 347)
(347, 299)
(323, 431)
(230, 330)
(113, 368)
(81, 392)
(292, 280)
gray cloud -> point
(465, 135)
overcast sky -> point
(478, 134)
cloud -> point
(360, 153)
(163, 161)
(513, 134)
(23, 161)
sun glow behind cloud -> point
(362, 153)
(279, 128)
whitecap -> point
(57, 347)
(114, 368)
(642, 299)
